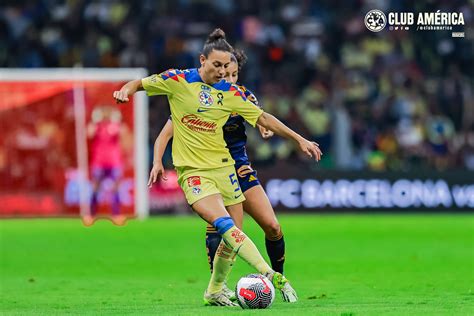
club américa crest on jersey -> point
(206, 99)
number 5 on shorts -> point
(234, 181)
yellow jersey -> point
(199, 112)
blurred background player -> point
(107, 133)
(201, 103)
(256, 204)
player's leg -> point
(213, 238)
(233, 237)
(225, 254)
(115, 175)
(97, 177)
(258, 206)
(211, 208)
(260, 209)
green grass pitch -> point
(340, 265)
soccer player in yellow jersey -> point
(200, 103)
(256, 202)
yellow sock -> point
(222, 265)
(246, 249)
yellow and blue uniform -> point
(199, 112)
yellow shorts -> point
(199, 183)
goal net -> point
(46, 163)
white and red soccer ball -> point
(254, 291)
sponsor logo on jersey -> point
(196, 190)
(195, 123)
(252, 178)
(194, 181)
(205, 98)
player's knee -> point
(223, 224)
(273, 230)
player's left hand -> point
(266, 133)
(310, 148)
(156, 172)
(121, 96)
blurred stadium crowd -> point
(394, 100)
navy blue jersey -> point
(234, 132)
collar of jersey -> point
(195, 77)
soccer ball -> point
(254, 291)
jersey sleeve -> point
(252, 98)
(157, 84)
(247, 108)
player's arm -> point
(265, 133)
(270, 122)
(256, 116)
(153, 85)
(127, 90)
(158, 151)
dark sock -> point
(213, 239)
(276, 253)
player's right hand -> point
(121, 96)
(311, 149)
(156, 172)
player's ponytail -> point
(216, 41)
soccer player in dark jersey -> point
(256, 204)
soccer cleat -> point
(229, 293)
(217, 299)
(287, 292)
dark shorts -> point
(100, 173)
(247, 181)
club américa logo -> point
(375, 20)
(205, 98)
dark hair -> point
(239, 57)
(216, 41)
